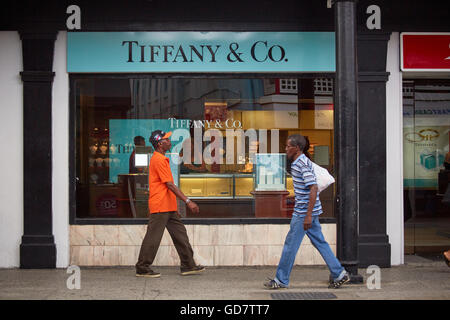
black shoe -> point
(194, 270)
(336, 284)
(148, 274)
(273, 285)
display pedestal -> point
(134, 195)
(269, 204)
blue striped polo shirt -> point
(303, 177)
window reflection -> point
(221, 127)
(426, 124)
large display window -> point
(426, 164)
(228, 141)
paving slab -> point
(421, 279)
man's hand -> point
(193, 207)
(307, 223)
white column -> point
(394, 152)
(11, 140)
(60, 152)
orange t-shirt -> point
(161, 199)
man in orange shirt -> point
(162, 204)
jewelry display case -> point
(210, 186)
(290, 186)
(207, 186)
(270, 172)
(270, 185)
(243, 185)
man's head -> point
(139, 141)
(160, 140)
(295, 146)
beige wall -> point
(11, 140)
(214, 245)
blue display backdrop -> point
(96, 52)
(122, 133)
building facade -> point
(82, 83)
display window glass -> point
(426, 165)
(228, 142)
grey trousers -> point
(155, 230)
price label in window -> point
(107, 205)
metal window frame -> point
(74, 220)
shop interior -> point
(112, 162)
(426, 165)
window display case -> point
(270, 172)
(270, 185)
(135, 193)
(243, 185)
(207, 185)
(290, 186)
(223, 186)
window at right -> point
(426, 165)
(293, 106)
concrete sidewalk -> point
(419, 278)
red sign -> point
(425, 51)
(107, 204)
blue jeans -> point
(292, 243)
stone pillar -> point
(374, 247)
(38, 249)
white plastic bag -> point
(323, 177)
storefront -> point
(229, 130)
(239, 118)
(229, 116)
(426, 136)
(231, 92)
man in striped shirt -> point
(305, 219)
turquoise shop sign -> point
(200, 52)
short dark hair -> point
(297, 140)
(139, 140)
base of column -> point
(37, 252)
(374, 250)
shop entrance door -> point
(426, 167)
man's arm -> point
(191, 204)
(311, 203)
